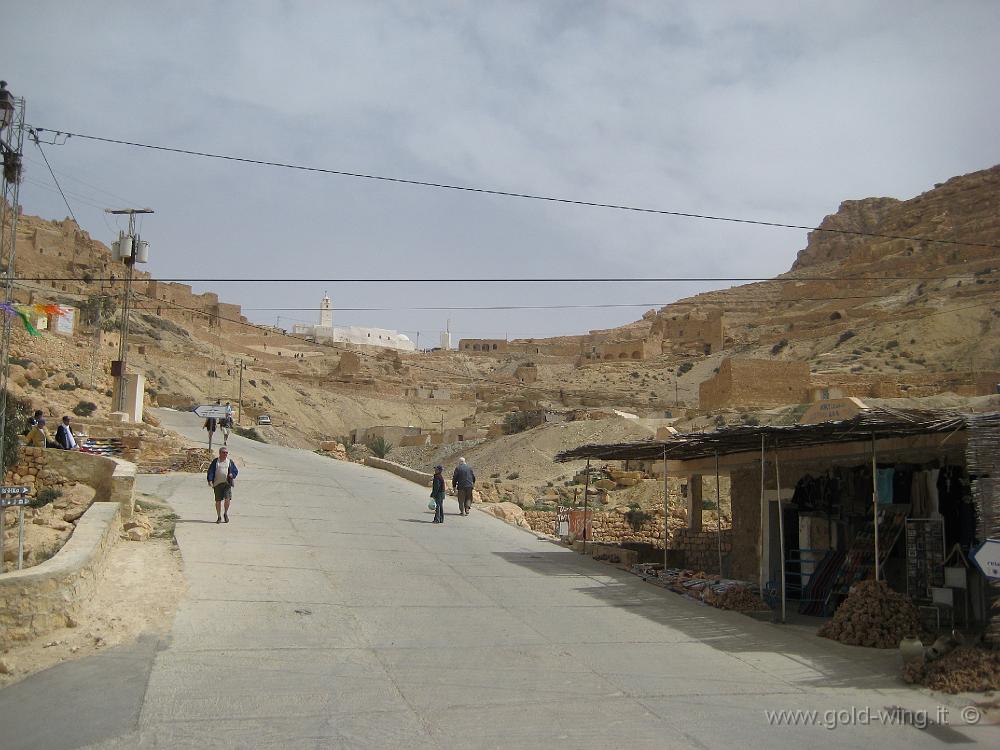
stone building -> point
(755, 383)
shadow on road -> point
(816, 662)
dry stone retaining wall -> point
(113, 479)
(420, 477)
(38, 600)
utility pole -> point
(11, 150)
(239, 401)
(129, 249)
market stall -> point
(893, 495)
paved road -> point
(331, 613)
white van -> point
(264, 419)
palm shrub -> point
(379, 447)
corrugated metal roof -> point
(879, 421)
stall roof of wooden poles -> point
(880, 422)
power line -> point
(303, 339)
(68, 176)
(512, 194)
(546, 280)
(56, 181)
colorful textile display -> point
(23, 311)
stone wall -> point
(113, 479)
(38, 600)
(701, 549)
(755, 383)
(911, 384)
(420, 477)
(609, 527)
(481, 346)
(744, 493)
(702, 331)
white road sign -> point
(211, 410)
(987, 557)
(14, 496)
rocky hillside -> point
(869, 304)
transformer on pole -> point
(129, 249)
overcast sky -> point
(766, 110)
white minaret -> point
(446, 337)
(325, 313)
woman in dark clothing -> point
(437, 492)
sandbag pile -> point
(967, 669)
(873, 615)
(738, 599)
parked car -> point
(264, 419)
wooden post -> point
(718, 512)
(875, 505)
(666, 507)
(763, 516)
(781, 529)
(586, 505)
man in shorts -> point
(221, 478)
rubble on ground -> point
(873, 615)
(708, 588)
(138, 528)
(967, 669)
(192, 460)
(736, 598)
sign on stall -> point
(987, 557)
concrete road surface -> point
(330, 613)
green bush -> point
(379, 446)
(636, 516)
(685, 367)
(25, 363)
(67, 386)
(45, 496)
(513, 475)
(85, 408)
(34, 382)
(17, 422)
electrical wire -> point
(304, 339)
(67, 176)
(512, 194)
(549, 280)
(54, 179)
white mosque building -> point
(327, 331)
